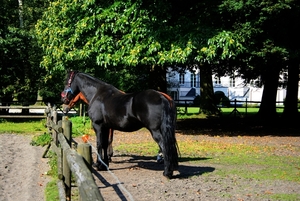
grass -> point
(81, 125)
(51, 191)
(257, 162)
(267, 165)
(22, 126)
(286, 197)
(193, 112)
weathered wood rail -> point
(21, 115)
(69, 161)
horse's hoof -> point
(99, 167)
(168, 175)
(109, 159)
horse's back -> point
(130, 111)
(149, 106)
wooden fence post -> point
(59, 153)
(85, 150)
(88, 189)
(246, 107)
(68, 161)
(80, 109)
(67, 131)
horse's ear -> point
(68, 71)
(74, 71)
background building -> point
(184, 84)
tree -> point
(20, 55)
(269, 30)
(144, 37)
(115, 36)
(130, 36)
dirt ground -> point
(142, 179)
(22, 169)
(131, 177)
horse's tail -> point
(168, 126)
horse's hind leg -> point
(157, 136)
(169, 151)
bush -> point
(41, 140)
(221, 99)
(197, 100)
(225, 101)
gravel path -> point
(22, 169)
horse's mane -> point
(94, 79)
(69, 74)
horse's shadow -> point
(148, 162)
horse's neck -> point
(81, 96)
(88, 93)
(89, 87)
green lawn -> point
(193, 112)
(22, 126)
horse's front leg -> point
(102, 144)
(110, 150)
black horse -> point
(110, 108)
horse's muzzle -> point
(66, 108)
(64, 97)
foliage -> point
(120, 34)
(122, 40)
(20, 74)
(41, 140)
(81, 126)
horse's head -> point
(80, 96)
(70, 90)
(66, 108)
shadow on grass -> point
(238, 127)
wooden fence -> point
(68, 161)
(233, 104)
(23, 115)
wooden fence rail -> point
(69, 161)
(23, 115)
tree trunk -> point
(207, 103)
(268, 102)
(157, 78)
(291, 101)
(21, 13)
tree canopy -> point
(20, 74)
(124, 42)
